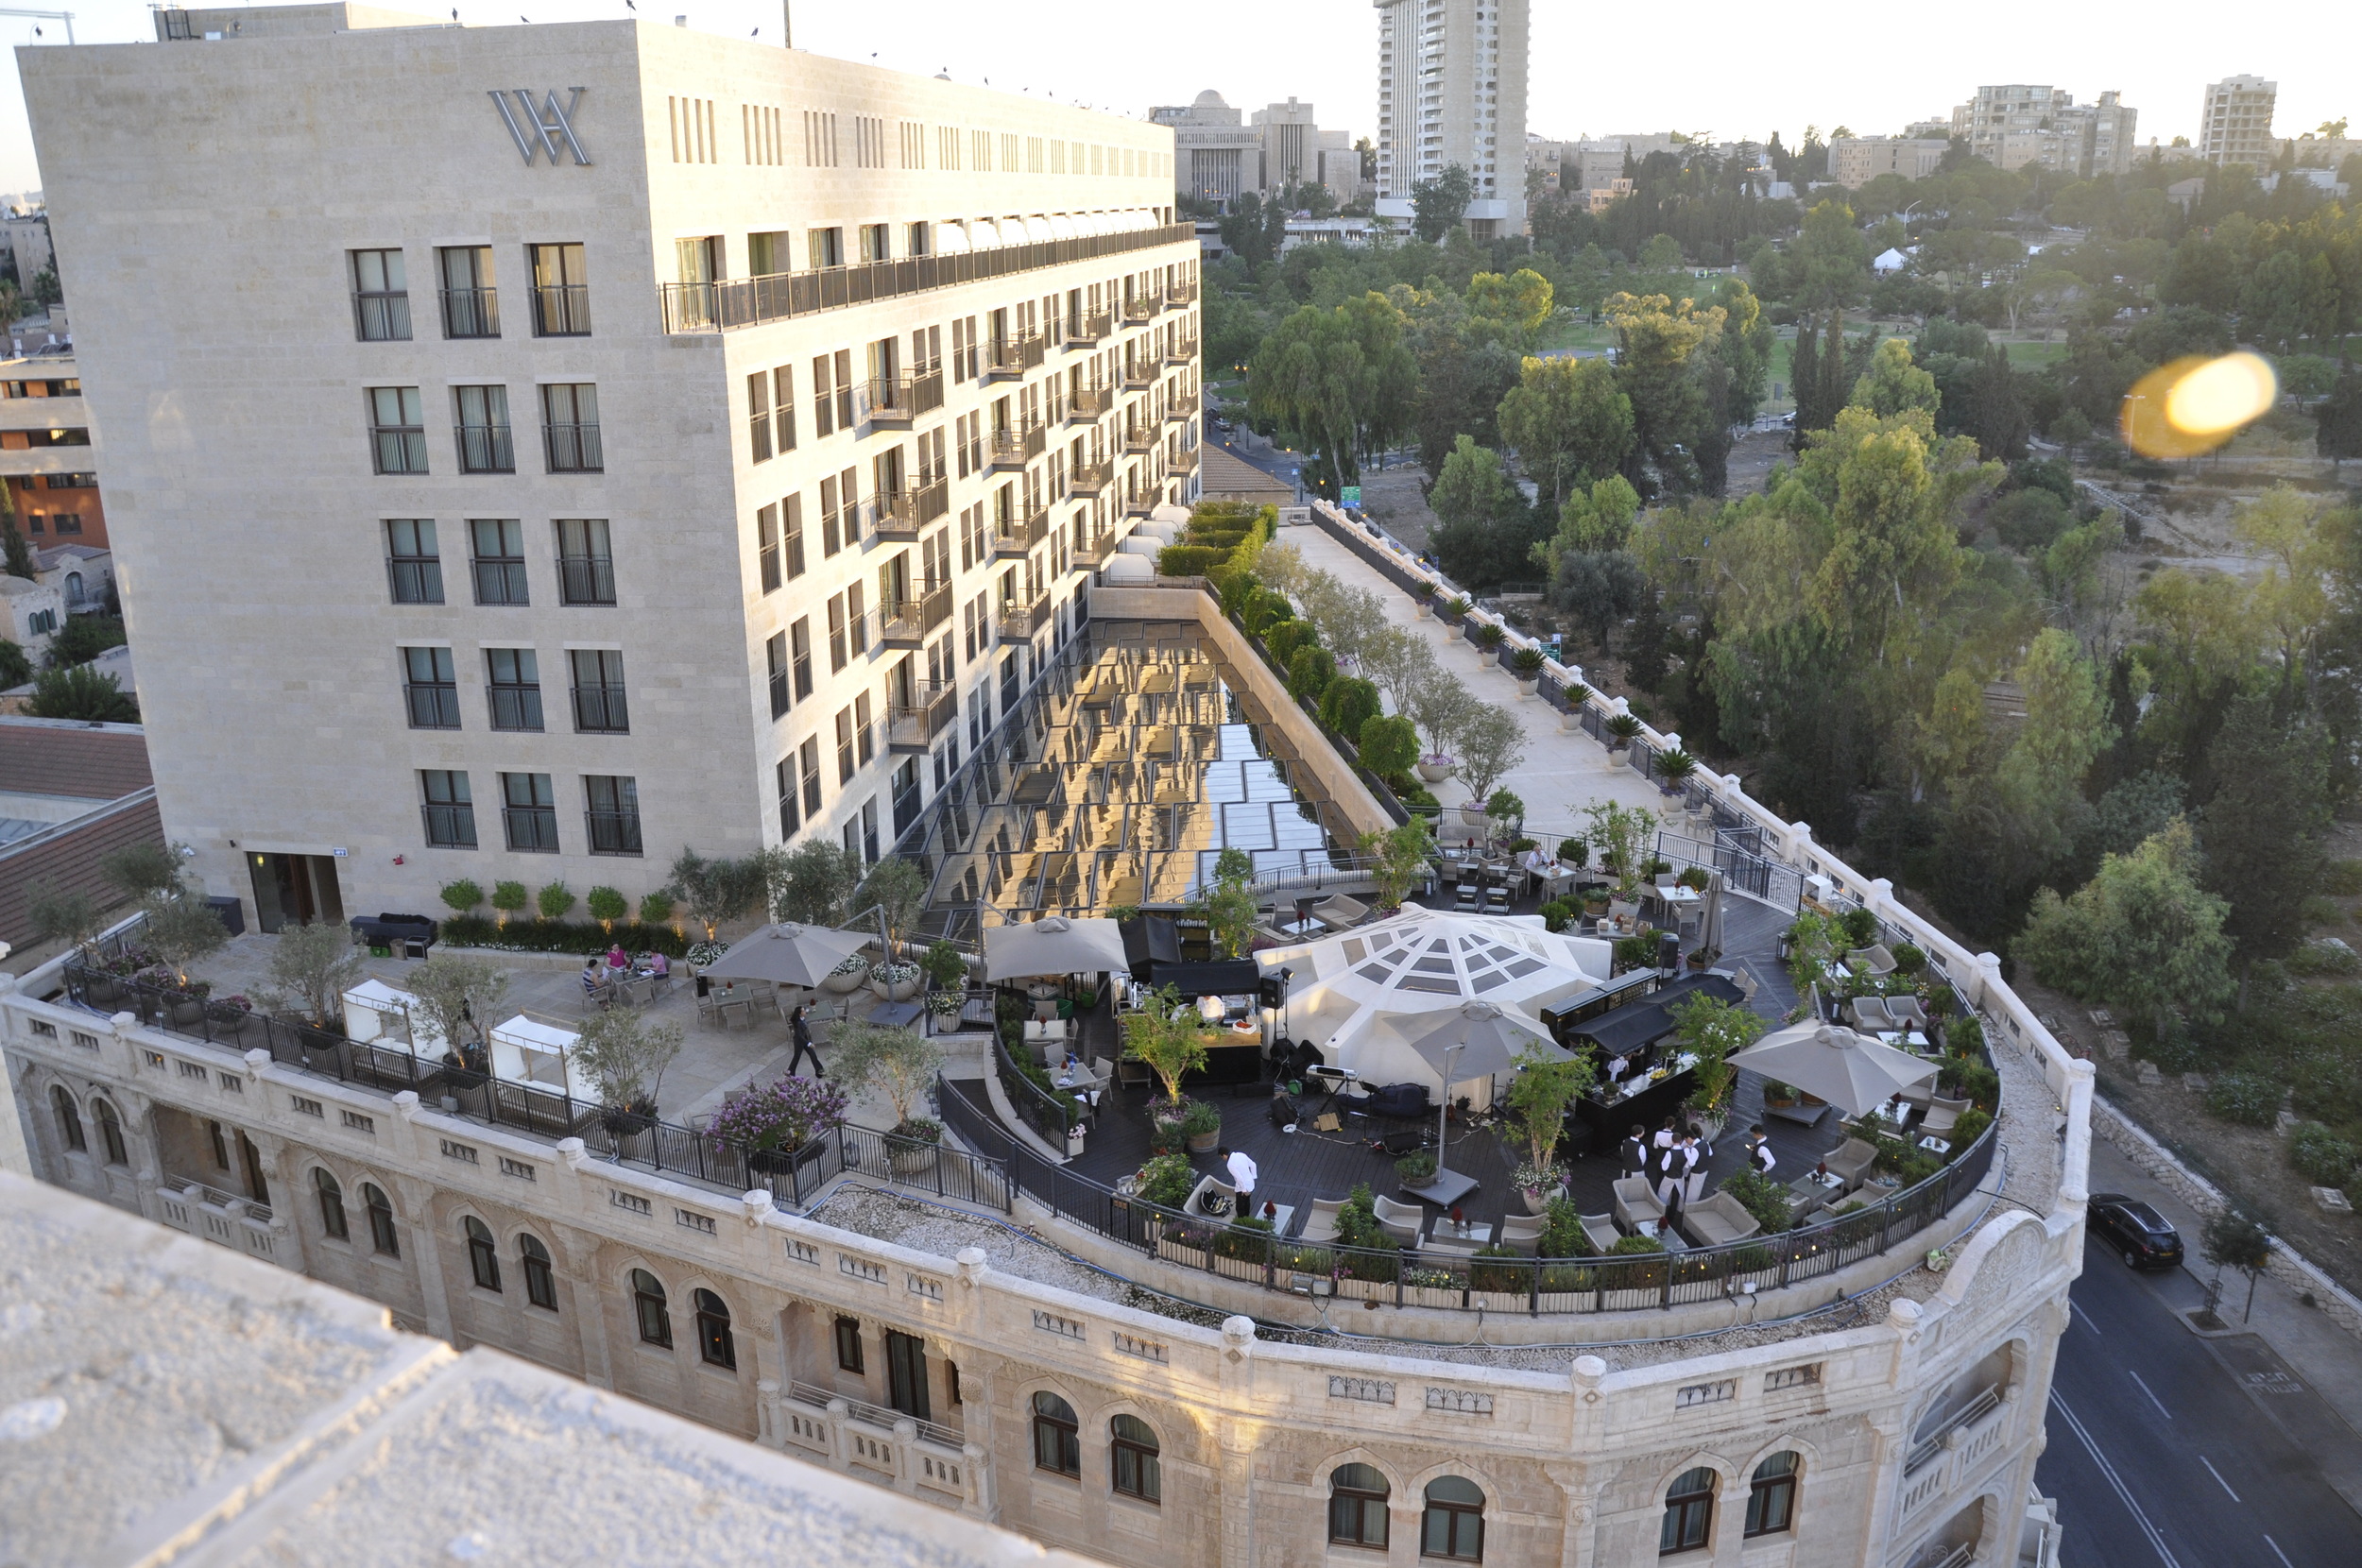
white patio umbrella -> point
(1477, 1039)
(788, 954)
(1850, 1070)
(1056, 946)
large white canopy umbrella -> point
(1477, 1039)
(788, 954)
(1056, 946)
(1848, 1069)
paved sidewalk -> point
(1564, 772)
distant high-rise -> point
(2014, 125)
(1451, 89)
(2236, 125)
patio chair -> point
(1636, 1205)
(1919, 1098)
(1721, 1218)
(1102, 1073)
(1874, 958)
(1403, 1221)
(1496, 898)
(1523, 1233)
(1870, 1015)
(1942, 1116)
(1320, 1223)
(1907, 1013)
(1338, 911)
(1600, 1230)
(1851, 1159)
(1209, 1186)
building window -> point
(791, 817)
(612, 813)
(1771, 1495)
(848, 1356)
(540, 1285)
(381, 1221)
(1356, 1507)
(1132, 1451)
(714, 1345)
(380, 297)
(1689, 1513)
(485, 443)
(845, 746)
(483, 1259)
(562, 296)
(69, 1118)
(448, 810)
(331, 1205)
(110, 1133)
(599, 705)
(759, 415)
(799, 648)
(397, 429)
(586, 562)
(471, 309)
(570, 425)
(431, 687)
(783, 408)
(513, 678)
(529, 813)
(767, 548)
(906, 1374)
(647, 1305)
(1453, 1523)
(1057, 1441)
(500, 560)
(413, 564)
(774, 655)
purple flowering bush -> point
(786, 1114)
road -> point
(2162, 1458)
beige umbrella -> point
(1850, 1070)
(1477, 1039)
(788, 954)
(1056, 946)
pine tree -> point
(1838, 370)
(1996, 413)
(1803, 371)
(2337, 417)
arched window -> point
(381, 1221)
(647, 1302)
(1057, 1441)
(1357, 1505)
(111, 1133)
(484, 1258)
(1771, 1495)
(1132, 1449)
(1453, 1523)
(332, 1205)
(540, 1285)
(69, 1118)
(1689, 1513)
(713, 1331)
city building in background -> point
(1855, 160)
(1451, 90)
(1216, 155)
(1296, 151)
(48, 456)
(2016, 125)
(2235, 123)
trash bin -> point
(229, 913)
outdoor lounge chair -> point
(1523, 1233)
(1870, 1015)
(1403, 1221)
(1600, 1230)
(1320, 1223)
(1337, 911)
(1942, 1116)
(1851, 1160)
(1636, 1205)
(1210, 1186)
(1719, 1218)
(1875, 957)
(1907, 1013)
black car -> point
(2138, 1232)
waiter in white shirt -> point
(1242, 1173)
(1759, 1149)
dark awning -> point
(1236, 976)
(1626, 1029)
(1150, 938)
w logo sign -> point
(548, 127)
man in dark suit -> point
(800, 1033)
(1632, 1153)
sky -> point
(1731, 69)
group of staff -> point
(1671, 1159)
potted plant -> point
(1455, 607)
(1415, 1170)
(624, 1058)
(895, 983)
(1778, 1095)
(1165, 1035)
(1487, 637)
(942, 1007)
(1525, 664)
(1200, 1126)
(1166, 1181)
(1694, 878)
(1622, 729)
(850, 974)
(1714, 1030)
(946, 967)
(769, 1123)
(1436, 766)
(1423, 598)
(1538, 1100)
(1574, 852)
(900, 1065)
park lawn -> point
(1577, 335)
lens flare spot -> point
(2222, 395)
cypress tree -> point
(2338, 417)
(1839, 369)
(1804, 373)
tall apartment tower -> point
(633, 439)
(1451, 89)
(2236, 124)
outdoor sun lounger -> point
(1636, 1205)
(1320, 1223)
(1719, 1218)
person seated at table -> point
(594, 979)
(659, 967)
(618, 959)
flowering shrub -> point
(893, 974)
(855, 965)
(704, 953)
(786, 1114)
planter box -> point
(839, 985)
(900, 991)
(1435, 772)
(910, 1158)
(1204, 1143)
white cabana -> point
(1037, 230)
(377, 1014)
(983, 234)
(1889, 259)
(1061, 226)
(1178, 516)
(528, 1051)
(1352, 994)
(1129, 571)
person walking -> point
(1759, 1153)
(800, 1033)
(1634, 1151)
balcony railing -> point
(531, 829)
(516, 708)
(1014, 449)
(1183, 351)
(1090, 402)
(1020, 622)
(1185, 463)
(1182, 294)
(1018, 535)
(750, 301)
(1140, 504)
(585, 580)
(1140, 308)
(1089, 325)
(1139, 375)
(601, 711)
(500, 580)
(381, 317)
(903, 513)
(613, 832)
(899, 399)
(415, 579)
(487, 448)
(1094, 551)
(574, 448)
(450, 827)
(470, 313)
(561, 309)
(1012, 356)
(1139, 439)
(913, 726)
(908, 622)
(399, 449)
(1088, 479)
(433, 705)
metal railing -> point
(433, 705)
(1094, 551)
(500, 580)
(487, 448)
(1014, 355)
(750, 301)
(613, 832)
(449, 824)
(531, 829)
(1088, 479)
(381, 317)
(1089, 325)
(1020, 622)
(1018, 536)
(601, 709)
(399, 449)
(561, 309)
(1139, 375)
(913, 726)
(899, 399)
(907, 621)
(415, 579)
(1090, 402)
(470, 313)
(1182, 350)
(1181, 294)
(1927, 1449)
(586, 579)
(1015, 448)
(1141, 307)
(1139, 439)
(574, 448)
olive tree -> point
(455, 995)
(625, 1057)
(311, 968)
(1492, 743)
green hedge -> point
(1189, 560)
(561, 936)
(1287, 637)
(1348, 704)
(1310, 672)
